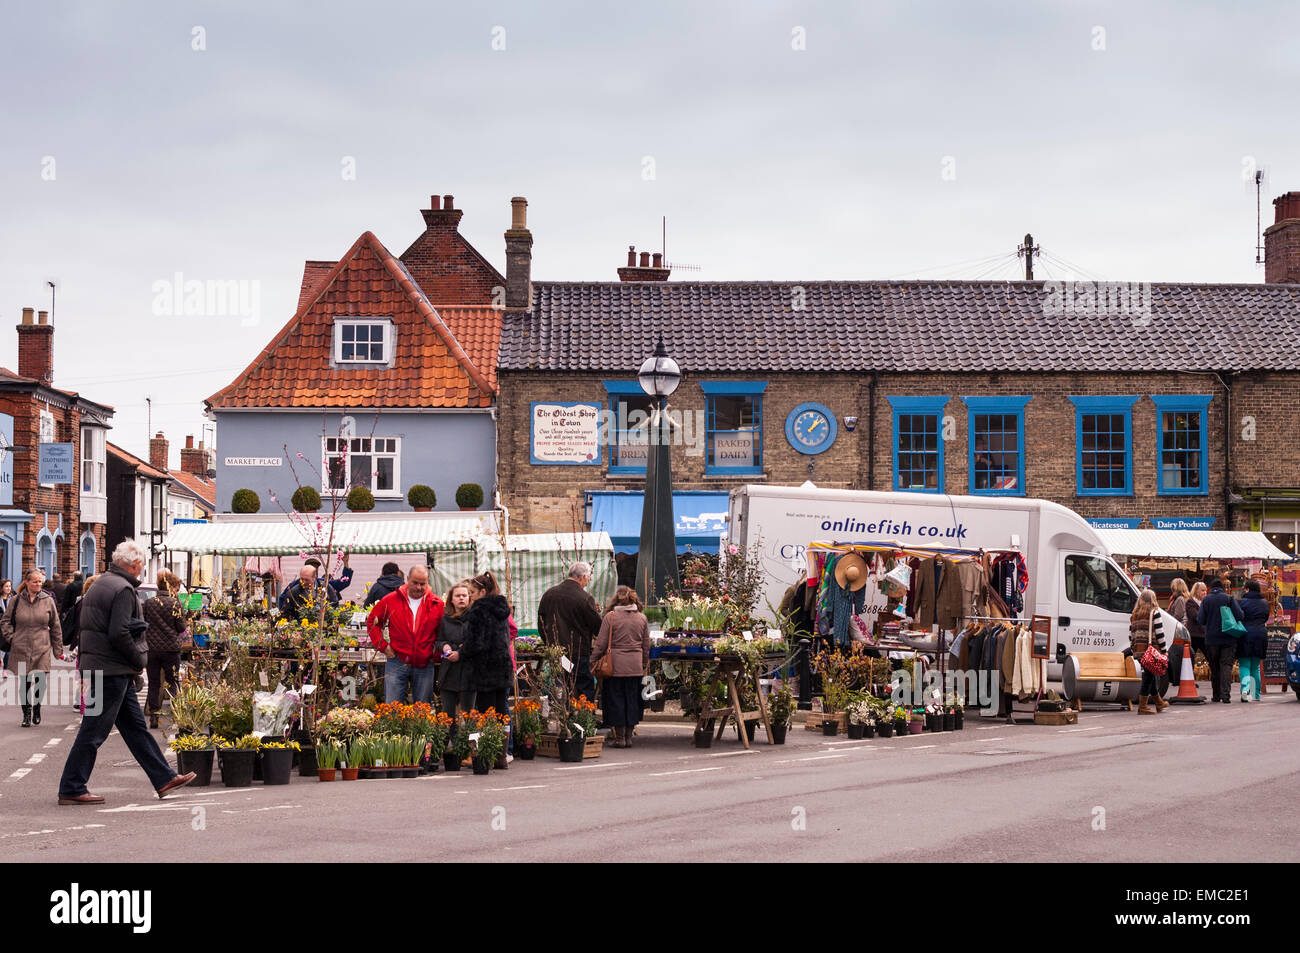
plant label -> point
(308, 689)
(565, 663)
(748, 635)
(359, 618)
(473, 737)
(261, 677)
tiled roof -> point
(430, 368)
(478, 329)
(197, 487)
(9, 377)
(898, 326)
(142, 466)
(314, 274)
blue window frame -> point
(733, 427)
(918, 443)
(629, 408)
(996, 427)
(1103, 442)
(1182, 450)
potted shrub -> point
(469, 496)
(305, 499)
(577, 729)
(327, 761)
(277, 761)
(488, 739)
(917, 722)
(958, 716)
(780, 709)
(528, 728)
(885, 722)
(422, 498)
(192, 709)
(245, 501)
(194, 753)
(237, 761)
(360, 500)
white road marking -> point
(1069, 730)
(920, 747)
(851, 741)
(70, 728)
(732, 754)
(521, 787)
(35, 759)
(52, 742)
(988, 728)
(662, 774)
(998, 738)
(823, 757)
(20, 773)
(608, 764)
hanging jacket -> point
(938, 590)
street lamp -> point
(656, 564)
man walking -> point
(113, 653)
(411, 616)
(568, 616)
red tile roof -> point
(130, 459)
(478, 329)
(431, 368)
(197, 487)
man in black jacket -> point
(113, 652)
(1220, 646)
(390, 580)
(567, 615)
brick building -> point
(58, 526)
(1170, 403)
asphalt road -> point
(1203, 783)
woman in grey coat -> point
(31, 625)
(624, 634)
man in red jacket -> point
(404, 626)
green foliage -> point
(328, 755)
(192, 708)
(780, 706)
(421, 495)
(469, 495)
(305, 499)
(360, 500)
(245, 501)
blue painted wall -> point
(441, 450)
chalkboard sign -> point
(1273, 667)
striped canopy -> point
(286, 537)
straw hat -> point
(851, 572)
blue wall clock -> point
(811, 428)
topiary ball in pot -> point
(245, 501)
(306, 499)
(469, 496)
(421, 497)
(361, 500)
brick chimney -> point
(441, 213)
(194, 460)
(1282, 241)
(36, 347)
(519, 258)
(158, 451)
(646, 270)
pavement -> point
(1195, 783)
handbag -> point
(1228, 623)
(1152, 659)
(605, 667)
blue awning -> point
(700, 518)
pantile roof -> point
(142, 466)
(196, 486)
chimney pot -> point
(189, 441)
(645, 259)
(28, 314)
(42, 317)
(631, 256)
(446, 202)
(519, 212)
(658, 260)
(435, 202)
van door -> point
(1094, 605)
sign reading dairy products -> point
(565, 433)
(254, 461)
(1184, 522)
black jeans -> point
(118, 708)
(583, 683)
(1221, 658)
(35, 687)
(160, 665)
(491, 698)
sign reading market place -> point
(254, 461)
(565, 433)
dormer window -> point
(363, 340)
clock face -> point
(811, 428)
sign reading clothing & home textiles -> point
(55, 463)
(565, 433)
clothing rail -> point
(896, 547)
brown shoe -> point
(1142, 706)
(177, 782)
(86, 798)
(1161, 704)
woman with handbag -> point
(1147, 643)
(619, 658)
(1255, 612)
(31, 628)
(1221, 641)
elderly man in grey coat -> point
(113, 654)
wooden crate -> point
(1068, 717)
(815, 720)
(548, 746)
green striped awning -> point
(539, 561)
(291, 537)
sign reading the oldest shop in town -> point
(566, 433)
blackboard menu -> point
(1274, 663)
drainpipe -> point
(1227, 439)
(505, 513)
(871, 431)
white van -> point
(1072, 578)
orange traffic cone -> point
(1187, 694)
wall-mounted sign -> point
(254, 461)
(734, 449)
(56, 463)
(565, 433)
(6, 460)
(1184, 522)
(1114, 522)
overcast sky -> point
(903, 139)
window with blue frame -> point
(997, 445)
(1182, 455)
(918, 443)
(630, 408)
(1103, 434)
(733, 427)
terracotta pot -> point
(349, 774)
(325, 774)
(915, 727)
(423, 509)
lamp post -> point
(656, 563)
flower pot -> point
(915, 727)
(365, 774)
(703, 738)
(349, 774)
(237, 766)
(422, 509)
(658, 704)
(326, 774)
(502, 762)
(831, 726)
(277, 765)
(949, 721)
(527, 751)
(933, 722)
(200, 762)
(467, 509)
(571, 749)
(854, 731)
(778, 734)
(885, 730)
(257, 767)
(307, 763)
(450, 762)
(411, 771)
(750, 728)
(959, 718)
(868, 731)
(481, 766)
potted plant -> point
(422, 498)
(528, 727)
(305, 499)
(245, 501)
(862, 716)
(360, 500)
(917, 722)
(578, 729)
(461, 747)
(277, 761)
(901, 719)
(237, 760)
(704, 736)
(488, 739)
(327, 760)
(360, 758)
(194, 753)
(780, 710)
(192, 708)
(435, 740)
(469, 496)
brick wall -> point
(445, 266)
